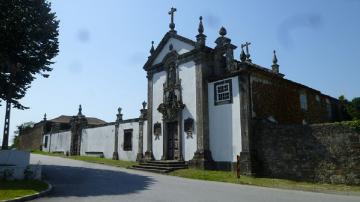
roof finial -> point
(80, 109)
(119, 115)
(222, 31)
(172, 24)
(201, 27)
(275, 60)
(152, 50)
(275, 66)
(45, 117)
(201, 37)
(144, 104)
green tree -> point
(351, 109)
(28, 42)
(16, 142)
(17, 133)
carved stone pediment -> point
(171, 109)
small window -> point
(223, 92)
(128, 139)
(317, 97)
(303, 101)
(46, 141)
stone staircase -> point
(161, 166)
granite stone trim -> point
(140, 156)
(116, 142)
(183, 58)
(245, 123)
(202, 158)
(163, 42)
(228, 81)
(148, 154)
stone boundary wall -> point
(326, 153)
(31, 138)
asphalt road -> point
(80, 181)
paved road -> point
(80, 181)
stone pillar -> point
(165, 140)
(148, 154)
(78, 122)
(202, 158)
(44, 123)
(180, 136)
(140, 156)
(116, 141)
(246, 166)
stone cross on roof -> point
(246, 45)
(171, 13)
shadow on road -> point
(83, 182)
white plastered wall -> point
(128, 155)
(158, 81)
(99, 139)
(224, 125)
(58, 142)
(188, 83)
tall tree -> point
(28, 42)
(351, 108)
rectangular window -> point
(223, 92)
(46, 141)
(128, 139)
(303, 101)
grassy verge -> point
(117, 163)
(230, 177)
(18, 188)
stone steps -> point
(161, 166)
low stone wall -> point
(328, 153)
(31, 138)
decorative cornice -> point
(181, 59)
(161, 45)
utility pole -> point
(9, 73)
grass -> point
(230, 177)
(18, 188)
(117, 163)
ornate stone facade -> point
(210, 65)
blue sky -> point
(104, 44)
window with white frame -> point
(223, 92)
(303, 101)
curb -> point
(33, 196)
